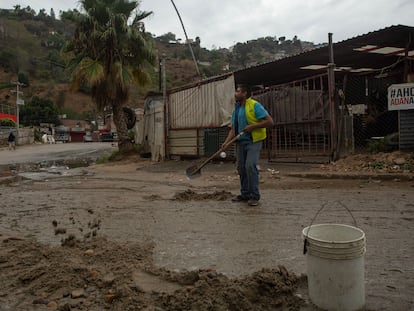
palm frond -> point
(108, 52)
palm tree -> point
(109, 54)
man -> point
(251, 118)
(12, 141)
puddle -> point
(53, 172)
(48, 169)
(53, 165)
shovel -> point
(194, 170)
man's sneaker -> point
(239, 198)
(253, 202)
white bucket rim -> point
(347, 243)
(306, 230)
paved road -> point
(53, 152)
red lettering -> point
(402, 101)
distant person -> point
(12, 141)
(250, 117)
(44, 138)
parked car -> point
(87, 138)
(104, 137)
(63, 137)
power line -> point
(186, 37)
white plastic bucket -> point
(335, 266)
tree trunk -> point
(124, 142)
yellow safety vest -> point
(257, 134)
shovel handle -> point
(218, 151)
(231, 141)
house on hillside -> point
(326, 102)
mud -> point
(191, 195)
(141, 236)
(100, 274)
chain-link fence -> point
(374, 127)
(301, 114)
(7, 109)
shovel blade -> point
(193, 171)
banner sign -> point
(5, 116)
(401, 96)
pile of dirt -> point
(190, 195)
(394, 162)
(268, 289)
(98, 274)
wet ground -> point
(169, 243)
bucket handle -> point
(305, 242)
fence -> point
(7, 112)
(366, 104)
(301, 113)
(7, 109)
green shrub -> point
(7, 123)
(112, 157)
(377, 165)
(37, 135)
(23, 77)
(376, 145)
(6, 85)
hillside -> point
(30, 50)
(59, 93)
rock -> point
(89, 252)
(91, 289)
(108, 298)
(108, 280)
(94, 274)
(52, 304)
(60, 231)
(399, 161)
(40, 301)
(78, 293)
(65, 307)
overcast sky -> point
(222, 23)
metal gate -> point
(301, 113)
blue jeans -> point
(248, 154)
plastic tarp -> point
(206, 105)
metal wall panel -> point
(407, 130)
(150, 129)
(202, 106)
(184, 142)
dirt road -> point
(141, 236)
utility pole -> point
(333, 109)
(186, 37)
(164, 99)
(18, 102)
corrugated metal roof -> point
(346, 54)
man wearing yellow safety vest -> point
(251, 118)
